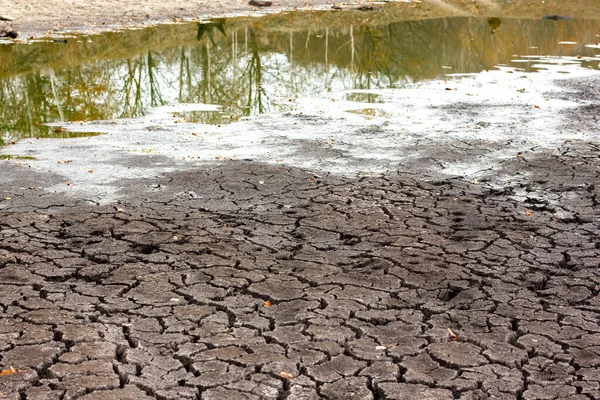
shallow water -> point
(250, 66)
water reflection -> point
(361, 97)
(14, 157)
(259, 65)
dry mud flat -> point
(246, 280)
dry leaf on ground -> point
(9, 371)
(452, 335)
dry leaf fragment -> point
(31, 188)
(520, 155)
(452, 335)
(8, 371)
(536, 106)
(267, 303)
(529, 213)
(64, 161)
(286, 375)
(90, 170)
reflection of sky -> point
(555, 63)
(293, 66)
(281, 81)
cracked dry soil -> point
(163, 296)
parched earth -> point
(245, 280)
(165, 295)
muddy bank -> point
(51, 16)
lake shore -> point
(49, 17)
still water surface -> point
(259, 65)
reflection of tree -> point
(141, 86)
(184, 74)
(494, 24)
(244, 68)
(132, 99)
(223, 77)
(209, 27)
(155, 96)
(23, 102)
(254, 78)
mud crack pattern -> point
(163, 295)
(212, 282)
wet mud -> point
(255, 280)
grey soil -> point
(205, 284)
